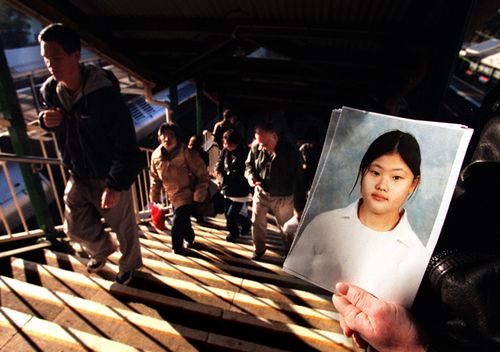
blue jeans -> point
(234, 218)
(181, 226)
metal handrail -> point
(140, 191)
(29, 159)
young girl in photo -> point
(369, 243)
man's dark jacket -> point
(97, 136)
(285, 176)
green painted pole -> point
(199, 108)
(11, 110)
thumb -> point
(358, 297)
(355, 305)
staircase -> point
(214, 299)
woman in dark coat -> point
(231, 168)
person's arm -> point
(197, 166)
(148, 97)
(219, 167)
(387, 327)
(156, 183)
(250, 172)
(52, 117)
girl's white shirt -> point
(336, 247)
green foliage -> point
(14, 27)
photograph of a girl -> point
(371, 239)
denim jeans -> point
(234, 218)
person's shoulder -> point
(408, 235)
(48, 85)
(328, 215)
(190, 153)
(339, 213)
(156, 153)
(254, 147)
(99, 78)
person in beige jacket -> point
(184, 176)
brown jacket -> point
(184, 177)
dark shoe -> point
(124, 278)
(95, 265)
(231, 238)
(258, 256)
(180, 251)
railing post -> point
(11, 110)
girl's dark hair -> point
(61, 34)
(170, 127)
(393, 141)
(232, 137)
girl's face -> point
(168, 140)
(386, 184)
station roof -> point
(309, 53)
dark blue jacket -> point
(97, 136)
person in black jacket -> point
(231, 169)
(273, 169)
(96, 137)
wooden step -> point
(216, 298)
(219, 245)
(217, 279)
(277, 276)
(234, 299)
(317, 339)
(24, 332)
(125, 326)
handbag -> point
(157, 216)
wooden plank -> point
(284, 280)
(94, 282)
(220, 280)
(177, 338)
(229, 300)
(52, 332)
(195, 285)
(222, 246)
(313, 336)
(268, 272)
(317, 338)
